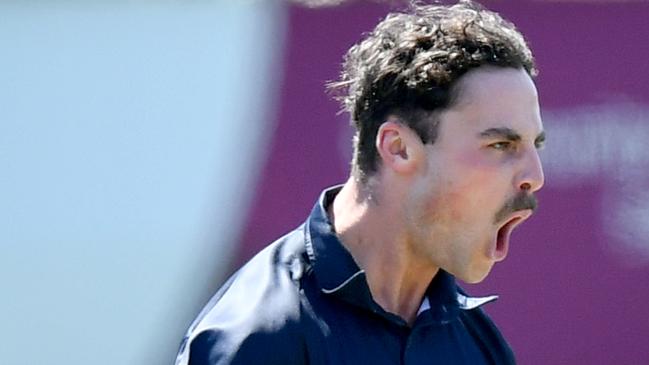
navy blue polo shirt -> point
(304, 300)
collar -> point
(334, 267)
(338, 274)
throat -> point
(402, 294)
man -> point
(445, 166)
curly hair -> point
(409, 64)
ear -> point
(399, 147)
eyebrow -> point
(509, 134)
(502, 132)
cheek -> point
(463, 195)
(475, 165)
(458, 204)
(478, 181)
(447, 205)
(459, 189)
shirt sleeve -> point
(255, 318)
(216, 347)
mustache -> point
(522, 201)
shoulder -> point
(256, 316)
(215, 345)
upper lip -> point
(519, 215)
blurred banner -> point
(574, 286)
(129, 139)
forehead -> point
(492, 97)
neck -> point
(371, 228)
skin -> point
(441, 205)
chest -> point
(343, 334)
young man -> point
(445, 166)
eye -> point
(501, 146)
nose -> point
(531, 177)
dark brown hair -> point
(409, 64)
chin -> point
(474, 280)
(474, 276)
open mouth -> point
(503, 236)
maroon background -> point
(564, 299)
